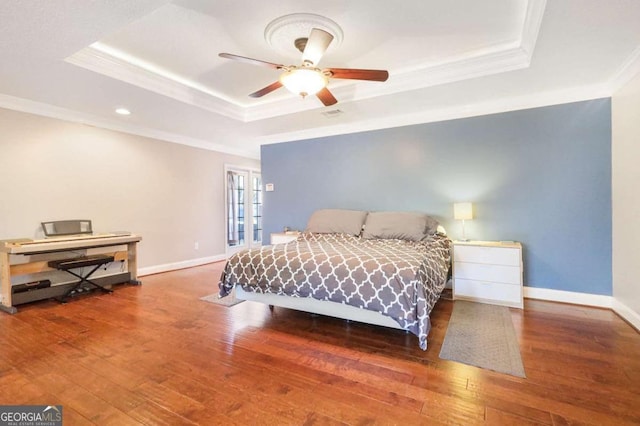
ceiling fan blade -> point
(265, 90)
(326, 97)
(250, 61)
(356, 74)
(317, 43)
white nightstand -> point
(283, 237)
(488, 272)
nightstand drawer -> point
(494, 273)
(495, 292)
(491, 255)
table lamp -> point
(463, 211)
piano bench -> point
(79, 262)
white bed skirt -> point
(308, 304)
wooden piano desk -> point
(27, 247)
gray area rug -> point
(483, 336)
(230, 300)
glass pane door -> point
(236, 204)
(243, 209)
(256, 208)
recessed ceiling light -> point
(123, 111)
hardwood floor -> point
(156, 354)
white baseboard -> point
(574, 298)
(157, 269)
(597, 300)
(627, 313)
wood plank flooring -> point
(156, 354)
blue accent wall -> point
(539, 176)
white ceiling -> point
(79, 60)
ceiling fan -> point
(308, 79)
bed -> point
(391, 273)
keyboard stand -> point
(68, 265)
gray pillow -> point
(336, 221)
(399, 225)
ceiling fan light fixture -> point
(304, 81)
(307, 79)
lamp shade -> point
(304, 81)
(462, 211)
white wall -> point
(170, 194)
(626, 200)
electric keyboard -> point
(47, 245)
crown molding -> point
(443, 114)
(51, 111)
(430, 116)
(532, 23)
(495, 59)
(627, 71)
(106, 61)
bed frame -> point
(322, 307)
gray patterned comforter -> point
(401, 279)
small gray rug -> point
(483, 336)
(228, 301)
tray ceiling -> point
(445, 60)
(174, 50)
